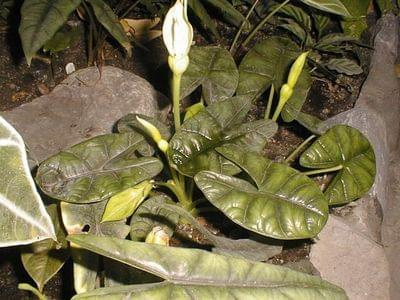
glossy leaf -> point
(192, 149)
(40, 20)
(267, 62)
(130, 123)
(346, 146)
(330, 6)
(198, 274)
(344, 65)
(206, 21)
(106, 16)
(79, 218)
(256, 249)
(193, 110)
(42, 260)
(285, 204)
(23, 217)
(293, 106)
(97, 169)
(151, 214)
(214, 69)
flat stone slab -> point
(351, 260)
(84, 105)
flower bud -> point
(296, 69)
(177, 31)
(285, 93)
(154, 133)
(157, 236)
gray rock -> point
(353, 261)
(82, 106)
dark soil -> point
(20, 83)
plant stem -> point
(326, 170)
(278, 110)
(242, 26)
(176, 85)
(262, 23)
(293, 155)
(269, 103)
(179, 193)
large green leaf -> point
(331, 6)
(42, 260)
(192, 149)
(214, 69)
(23, 217)
(40, 20)
(109, 20)
(151, 214)
(285, 204)
(344, 65)
(97, 169)
(355, 24)
(198, 274)
(267, 63)
(78, 218)
(346, 146)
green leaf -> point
(205, 19)
(151, 214)
(198, 274)
(321, 22)
(344, 65)
(40, 20)
(192, 149)
(267, 62)
(293, 106)
(193, 110)
(42, 260)
(355, 24)
(229, 13)
(63, 40)
(123, 204)
(23, 217)
(285, 204)
(79, 218)
(109, 20)
(257, 249)
(214, 69)
(296, 29)
(333, 38)
(97, 169)
(299, 15)
(346, 146)
(330, 6)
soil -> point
(20, 83)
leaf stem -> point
(269, 103)
(36, 292)
(242, 26)
(262, 23)
(176, 85)
(326, 170)
(294, 154)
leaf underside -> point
(198, 274)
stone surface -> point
(355, 250)
(82, 106)
(351, 260)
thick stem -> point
(262, 23)
(320, 171)
(278, 110)
(269, 103)
(294, 154)
(176, 85)
(242, 26)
